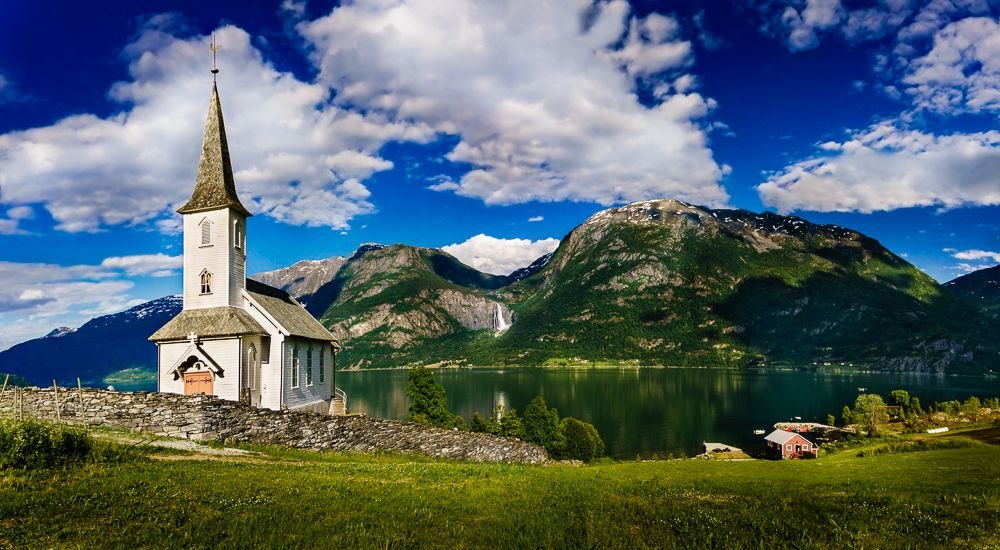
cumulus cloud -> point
(500, 256)
(536, 218)
(974, 255)
(886, 167)
(36, 297)
(544, 106)
(10, 223)
(159, 265)
(961, 72)
(300, 160)
(800, 25)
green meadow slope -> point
(946, 498)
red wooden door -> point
(197, 382)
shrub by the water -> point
(541, 426)
(428, 401)
(582, 440)
(509, 424)
(29, 444)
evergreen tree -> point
(510, 424)
(542, 426)
(483, 425)
(428, 401)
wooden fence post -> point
(79, 392)
(4, 390)
(55, 388)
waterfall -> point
(499, 323)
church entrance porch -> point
(197, 382)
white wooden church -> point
(236, 338)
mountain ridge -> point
(658, 282)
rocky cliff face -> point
(302, 279)
(391, 300)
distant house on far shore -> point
(789, 445)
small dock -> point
(804, 427)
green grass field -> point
(278, 498)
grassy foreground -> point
(277, 498)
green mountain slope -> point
(397, 304)
(663, 282)
(981, 288)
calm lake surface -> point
(655, 411)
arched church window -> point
(206, 231)
(206, 282)
(252, 365)
(237, 234)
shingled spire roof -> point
(214, 187)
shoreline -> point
(815, 370)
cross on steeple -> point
(214, 47)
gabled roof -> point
(209, 323)
(288, 313)
(214, 186)
(196, 351)
(780, 436)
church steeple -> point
(214, 186)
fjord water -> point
(658, 411)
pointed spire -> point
(214, 187)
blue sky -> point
(491, 129)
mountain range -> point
(650, 283)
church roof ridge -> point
(214, 185)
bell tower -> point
(214, 222)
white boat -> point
(759, 432)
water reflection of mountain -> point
(648, 412)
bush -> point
(542, 426)
(428, 401)
(582, 440)
(510, 425)
(32, 445)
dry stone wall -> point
(210, 418)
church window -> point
(295, 366)
(309, 365)
(206, 282)
(206, 232)
(322, 369)
(237, 234)
(252, 364)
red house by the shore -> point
(789, 445)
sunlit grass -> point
(287, 498)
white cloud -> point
(798, 22)
(536, 218)
(500, 256)
(10, 224)
(975, 255)
(545, 110)
(886, 167)
(962, 70)
(969, 268)
(297, 157)
(158, 265)
(37, 297)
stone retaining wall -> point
(200, 417)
